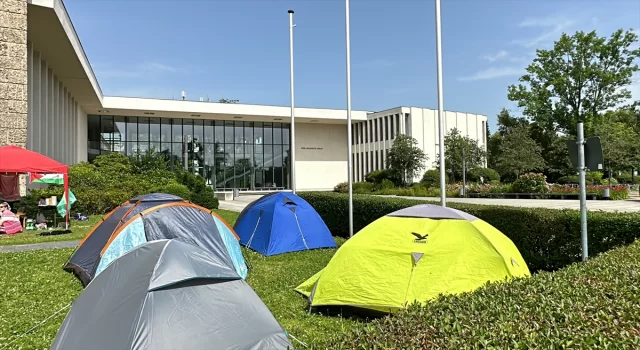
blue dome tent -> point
(282, 222)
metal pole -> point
(583, 192)
(464, 176)
(443, 188)
(293, 124)
(349, 126)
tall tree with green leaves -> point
(405, 159)
(506, 122)
(519, 153)
(581, 77)
(454, 146)
(620, 140)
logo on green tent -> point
(420, 238)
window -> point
(398, 128)
(407, 124)
(384, 160)
(386, 127)
(361, 167)
(375, 129)
(377, 160)
(371, 155)
(484, 132)
(370, 122)
(353, 134)
(393, 127)
(366, 164)
(353, 166)
(228, 154)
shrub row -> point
(548, 239)
(592, 305)
(114, 178)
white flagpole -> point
(293, 124)
(443, 188)
(349, 126)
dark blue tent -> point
(282, 222)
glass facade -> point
(228, 154)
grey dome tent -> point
(168, 294)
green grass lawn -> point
(78, 230)
(34, 286)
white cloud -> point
(494, 73)
(499, 55)
(553, 28)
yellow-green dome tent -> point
(414, 254)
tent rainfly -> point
(18, 161)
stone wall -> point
(13, 72)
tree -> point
(454, 145)
(519, 153)
(581, 77)
(493, 150)
(405, 159)
(620, 141)
(506, 122)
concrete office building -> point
(51, 102)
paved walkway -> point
(38, 246)
(631, 205)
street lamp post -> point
(293, 123)
(443, 194)
(349, 126)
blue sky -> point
(239, 49)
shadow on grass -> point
(54, 232)
(351, 313)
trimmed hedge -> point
(548, 239)
(592, 305)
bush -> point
(488, 175)
(575, 180)
(362, 187)
(114, 178)
(592, 305)
(201, 193)
(342, 187)
(386, 184)
(548, 239)
(431, 178)
(175, 189)
(626, 178)
(530, 183)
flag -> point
(62, 210)
(52, 179)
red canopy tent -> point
(17, 160)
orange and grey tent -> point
(153, 217)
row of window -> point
(228, 154)
(366, 162)
(128, 129)
(379, 129)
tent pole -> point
(66, 202)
